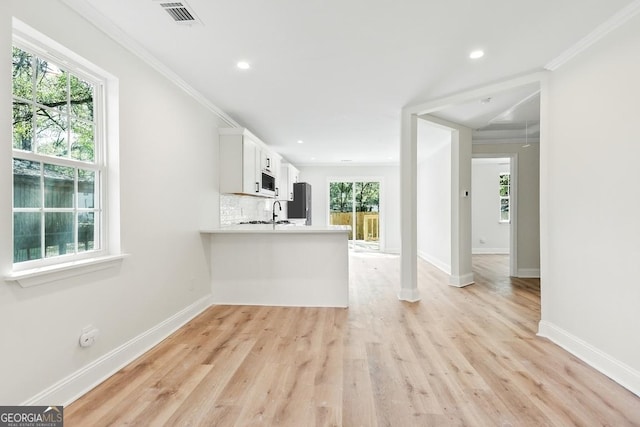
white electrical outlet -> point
(88, 336)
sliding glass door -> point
(357, 203)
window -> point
(58, 160)
(505, 197)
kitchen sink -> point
(282, 221)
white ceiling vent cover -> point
(179, 11)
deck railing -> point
(366, 224)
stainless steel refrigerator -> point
(300, 207)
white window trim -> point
(52, 273)
(110, 254)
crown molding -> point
(490, 89)
(512, 141)
(596, 35)
(105, 25)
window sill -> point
(43, 275)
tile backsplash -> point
(235, 208)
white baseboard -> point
(435, 262)
(410, 295)
(529, 273)
(490, 251)
(461, 281)
(80, 382)
(621, 373)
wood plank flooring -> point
(460, 357)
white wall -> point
(591, 258)
(528, 191)
(318, 177)
(489, 235)
(434, 208)
(235, 208)
(168, 176)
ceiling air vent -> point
(179, 11)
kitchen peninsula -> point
(280, 265)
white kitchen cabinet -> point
(289, 176)
(239, 162)
(249, 166)
(267, 161)
(276, 162)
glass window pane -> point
(367, 196)
(82, 142)
(51, 85)
(58, 186)
(27, 192)
(86, 189)
(26, 236)
(58, 233)
(86, 231)
(22, 126)
(51, 133)
(81, 97)
(367, 199)
(341, 204)
(22, 74)
(504, 209)
(341, 196)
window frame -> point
(106, 165)
(98, 165)
(501, 198)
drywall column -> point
(408, 208)
(461, 269)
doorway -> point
(357, 203)
(493, 208)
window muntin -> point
(505, 197)
(57, 161)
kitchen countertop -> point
(281, 265)
(278, 229)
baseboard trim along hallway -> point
(80, 382)
(611, 367)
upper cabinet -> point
(276, 161)
(239, 163)
(288, 177)
(247, 165)
(267, 161)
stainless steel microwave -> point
(268, 184)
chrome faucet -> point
(274, 210)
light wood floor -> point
(459, 357)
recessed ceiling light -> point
(346, 160)
(243, 65)
(300, 141)
(476, 54)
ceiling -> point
(335, 74)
